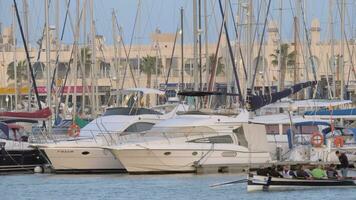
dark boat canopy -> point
(204, 93)
(255, 102)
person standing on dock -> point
(344, 163)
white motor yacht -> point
(85, 153)
(180, 143)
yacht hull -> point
(82, 160)
(182, 160)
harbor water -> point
(131, 187)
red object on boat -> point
(14, 126)
(36, 115)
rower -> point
(319, 173)
(287, 173)
(344, 163)
(302, 173)
(331, 172)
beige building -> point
(112, 75)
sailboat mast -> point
(332, 60)
(93, 61)
(116, 66)
(25, 20)
(181, 46)
(83, 57)
(195, 48)
(207, 59)
(200, 43)
(14, 55)
(75, 59)
(342, 31)
(48, 66)
(57, 50)
(280, 81)
(249, 44)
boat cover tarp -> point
(36, 115)
(80, 122)
(336, 112)
(256, 137)
(255, 102)
(312, 123)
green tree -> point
(287, 59)
(148, 66)
(21, 71)
(85, 59)
(220, 67)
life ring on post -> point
(339, 141)
(73, 130)
(317, 139)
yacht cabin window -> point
(139, 127)
(225, 139)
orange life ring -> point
(339, 141)
(317, 139)
(73, 130)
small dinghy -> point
(265, 183)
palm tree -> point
(21, 71)
(287, 59)
(148, 66)
(220, 67)
(85, 57)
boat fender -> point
(339, 141)
(73, 130)
(317, 139)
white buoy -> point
(38, 169)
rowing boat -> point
(265, 183)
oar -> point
(228, 183)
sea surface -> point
(131, 187)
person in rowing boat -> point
(302, 173)
(269, 171)
(331, 172)
(344, 163)
(319, 173)
(287, 173)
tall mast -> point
(331, 32)
(57, 50)
(281, 82)
(48, 66)
(116, 66)
(207, 59)
(75, 59)
(93, 60)
(83, 57)
(249, 44)
(14, 55)
(200, 56)
(25, 19)
(342, 31)
(182, 47)
(195, 48)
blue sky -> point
(165, 15)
